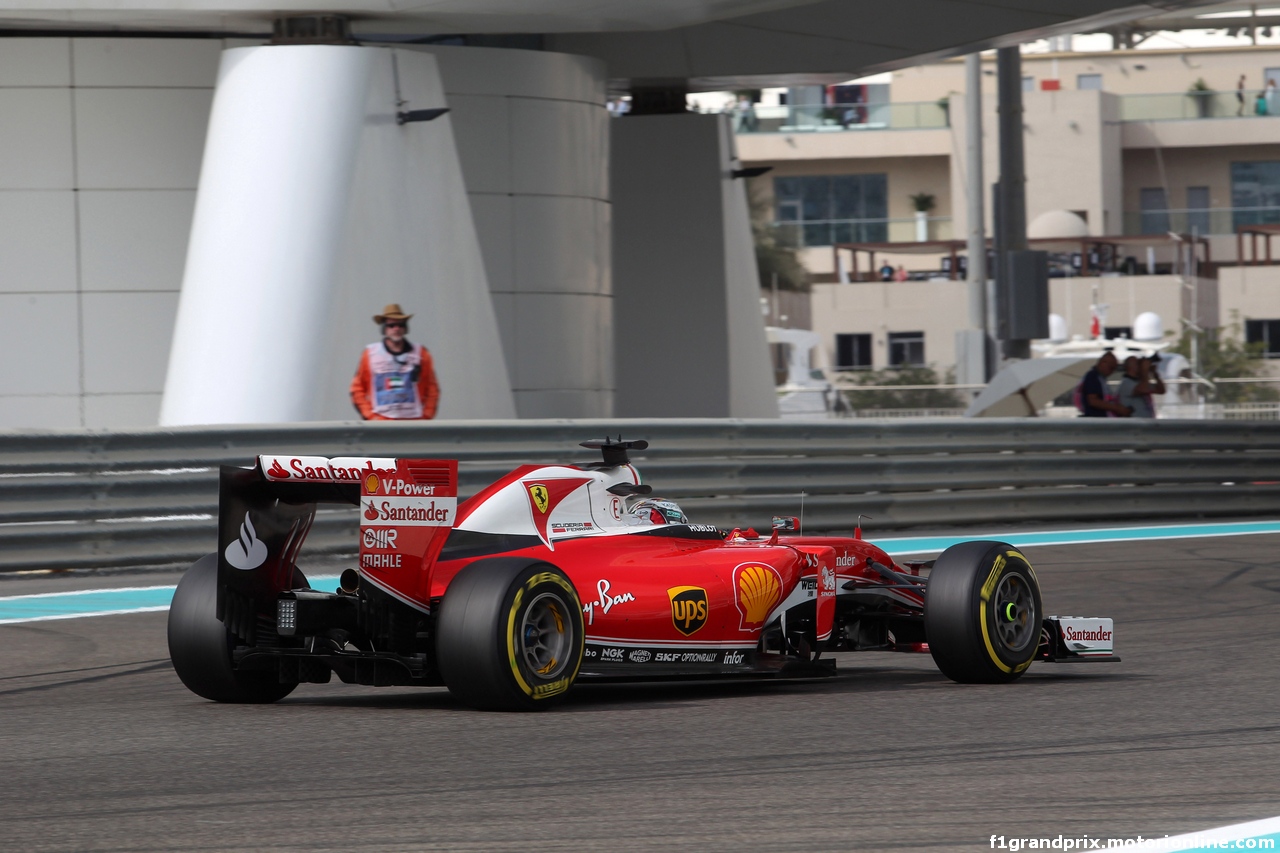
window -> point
(1089, 81)
(853, 352)
(1028, 84)
(1255, 193)
(834, 208)
(1265, 332)
(906, 349)
(1118, 331)
(1155, 211)
(1198, 210)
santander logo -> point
(321, 469)
(248, 552)
(1100, 635)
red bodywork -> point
(651, 593)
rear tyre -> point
(200, 645)
(510, 635)
(982, 613)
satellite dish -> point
(1148, 326)
(1057, 224)
(1057, 328)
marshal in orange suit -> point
(396, 379)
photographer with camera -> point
(1141, 380)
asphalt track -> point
(102, 749)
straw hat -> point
(391, 312)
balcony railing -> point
(1207, 222)
(826, 232)
(1198, 105)
(820, 118)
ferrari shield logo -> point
(538, 493)
(688, 608)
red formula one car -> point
(565, 573)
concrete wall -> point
(1073, 157)
(880, 308)
(689, 332)
(533, 136)
(1249, 293)
(1225, 133)
(838, 145)
(102, 140)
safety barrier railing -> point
(1205, 222)
(83, 499)
(1200, 104)
(825, 118)
(826, 232)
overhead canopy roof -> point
(712, 43)
(836, 39)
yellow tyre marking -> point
(1026, 563)
(988, 588)
(541, 691)
(511, 643)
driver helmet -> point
(657, 511)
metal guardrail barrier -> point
(85, 499)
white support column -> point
(249, 339)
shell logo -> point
(757, 590)
(371, 484)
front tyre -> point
(510, 635)
(200, 645)
(982, 613)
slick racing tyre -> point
(982, 613)
(200, 645)
(510, 635)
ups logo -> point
(688, 608)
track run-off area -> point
(103, 749)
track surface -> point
(102, 749)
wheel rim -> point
(546, 635)
(1015, 610)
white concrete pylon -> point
(270, 208)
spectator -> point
(1260, 104)
(1240, 96)
(886, 272)
(396, 379)
(1140, 381)
(746, 115)
(1096, 400)
(1176, 369)
(1273, 108)
(900, 274)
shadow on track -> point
(588, 697)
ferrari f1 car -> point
(560, 574)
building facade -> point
(1135, 144)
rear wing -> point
(265, 512)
